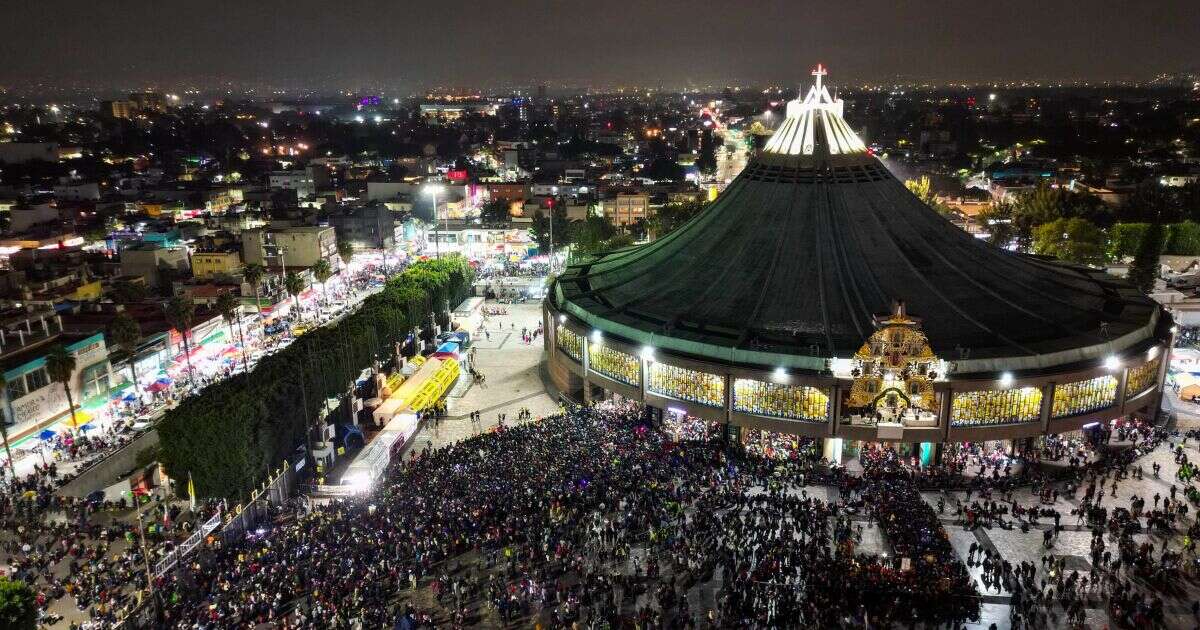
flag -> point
(191, 491)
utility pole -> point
(553, 201)
(145, 554)
(433, 190)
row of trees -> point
(1079, 228)
(231, 436)
(596, 234)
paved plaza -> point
(512, 371)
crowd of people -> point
(599, 518)
(61, 458)
(602, 517)
(88, 550)
(594, 517)
(77, 550)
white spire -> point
(797, 135)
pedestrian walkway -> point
(512, 381)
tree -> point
(1045, 204)
(673, 215)
(126, 333)
(922, 188)
(664, 169)
(998, 219)
(323, 272)
(241, 430)
(540, 230)
(6, 418)
(18, 605)
(1183, 239)
(345, 250)
(60, 366)
(126, 292)
(294, 285)
(230, 309)
(253, 274)
(1073, 240)
(181, 314)
(494, 211)
(1124, 239)
(588, 235)
(1144, 269)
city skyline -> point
(414, 46)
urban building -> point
(369, 226)
(154, 263)
(216, 264)
(626, 208)
(34, 397)
(296, 247)
(300, 181)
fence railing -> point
(184, 549)
(275, 492)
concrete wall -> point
(111, 469)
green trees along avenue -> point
(237, 431)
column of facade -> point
(587, 383)
(835, 409)
(945, 411)
(1122, 379)
(732, 433)
(1047, 405)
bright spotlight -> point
(359, 482)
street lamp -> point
(433, 190)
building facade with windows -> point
(35, 398)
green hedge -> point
(1183, 239)
(231, 435)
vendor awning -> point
(213, 336)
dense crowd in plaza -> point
(74, 549)
(598, 518)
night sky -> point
(508, 42)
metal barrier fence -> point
(274, 492)
(142, 616)
(193, 541)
